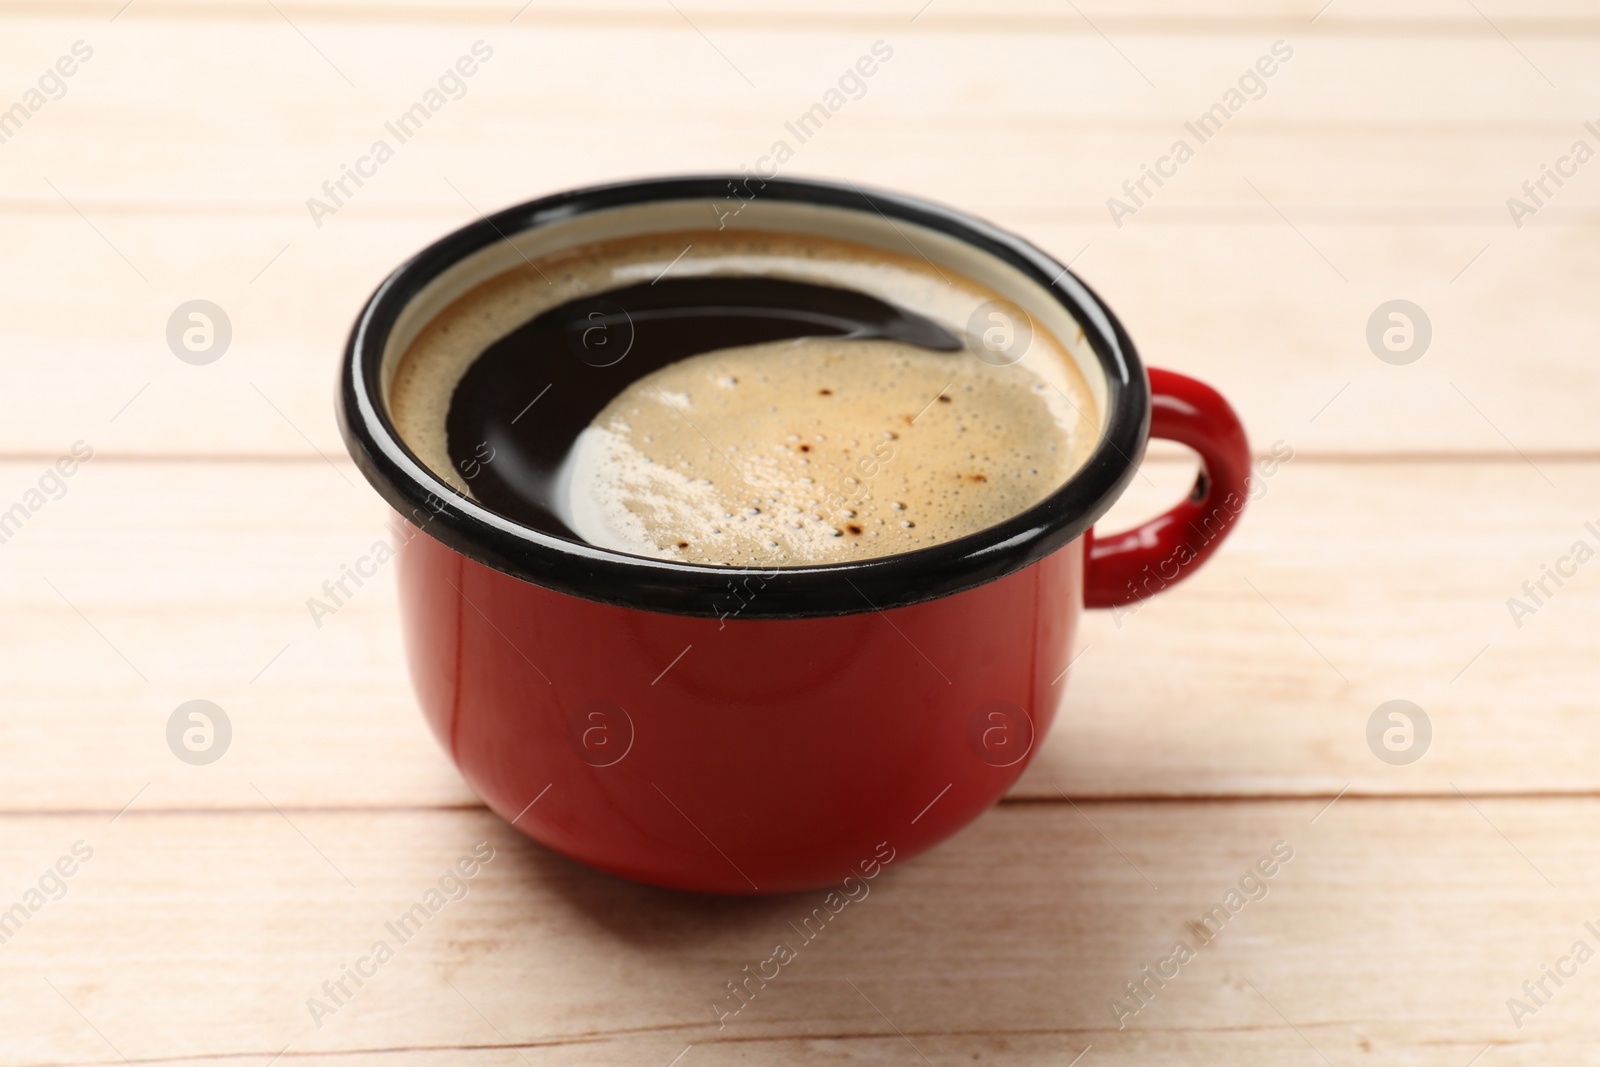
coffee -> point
(748, 399)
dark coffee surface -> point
(518, 410)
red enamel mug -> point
(740, 731)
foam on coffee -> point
(814, 450)
(799, 451)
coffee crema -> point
(749, 399)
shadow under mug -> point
(746, 731)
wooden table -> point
(207, 904)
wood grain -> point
(1226, 715)
(935, 118)
(1248, 307)
(1397, 930)
(1257, 267)
(1346, 585)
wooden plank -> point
(1071, 120)
(1250, 308)
(201, 937)
(1346, 587)
(148, 586)
(192, 581)
(219, 898)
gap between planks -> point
(1060, 800)
(601, 1037)
(1466, 24)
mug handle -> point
(1122, 568)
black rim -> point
(692, 589)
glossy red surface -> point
(1143, 561)
(762, 756)
(735, 756)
